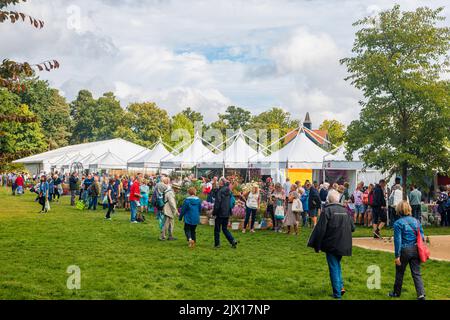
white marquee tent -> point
(108, 161)
(236, 156)
(62, 157)
(357, 172)
(299, 153)
(190, 157)
(150, 158)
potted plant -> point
(206, 215)
(238, 215)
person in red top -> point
(135, 196)
(19, 184)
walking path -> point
(439, 246)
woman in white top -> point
(252, 205)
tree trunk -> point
(404, 177)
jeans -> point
(334, 265)
(409, 256)
(305, 218)
(93, 203)
(417, 212)
(73, 194)
(445, 218)
(110, 210)
(133, 210)
(392, 216)
(190, 231)
(222, 224)
(250, 212)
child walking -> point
(191, 210)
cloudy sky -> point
(206, 54)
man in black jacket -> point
(74, 187)
(333, 235)
(379, 216)
(314, 203)
(222, 212)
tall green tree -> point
(108, 117)
(399, 58)
(181, 132)
(52, 110)
(274, 119)
(82, 111)
(21, 135)
(192, 115)
(336, 131)
(144, 123)
(235, 118)
(95, 120)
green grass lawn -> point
(123, 261)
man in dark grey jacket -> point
(333, 235)
(222, 212)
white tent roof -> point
(87, 160)
(236, 156)
(121, 148)
(61, 161)
(150, 158)
(190, 157)
(108, 161)
(338, 161)
(299, 153)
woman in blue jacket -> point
(191, 210)
(43, 193)
(405, 242)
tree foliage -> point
(192, 115)
(398, 63)
(234, 118)
(95, 120)
(52, 111)
(18, 138)
(336, 131)
(274, 119)
(144, 123)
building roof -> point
(319, 137)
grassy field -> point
(123, 261)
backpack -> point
(158, 199)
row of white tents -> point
(118, 154)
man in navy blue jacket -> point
(379, 216)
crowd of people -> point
(331, 209)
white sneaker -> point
(134, 222)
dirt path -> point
(439, 246)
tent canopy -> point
(236, 156)
(299, 153)
(337, 160)
(150, 158)
(87, 160)
(190, 157)
(108, 161)
(121, 148)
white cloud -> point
(304, 51)
(202, 54)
